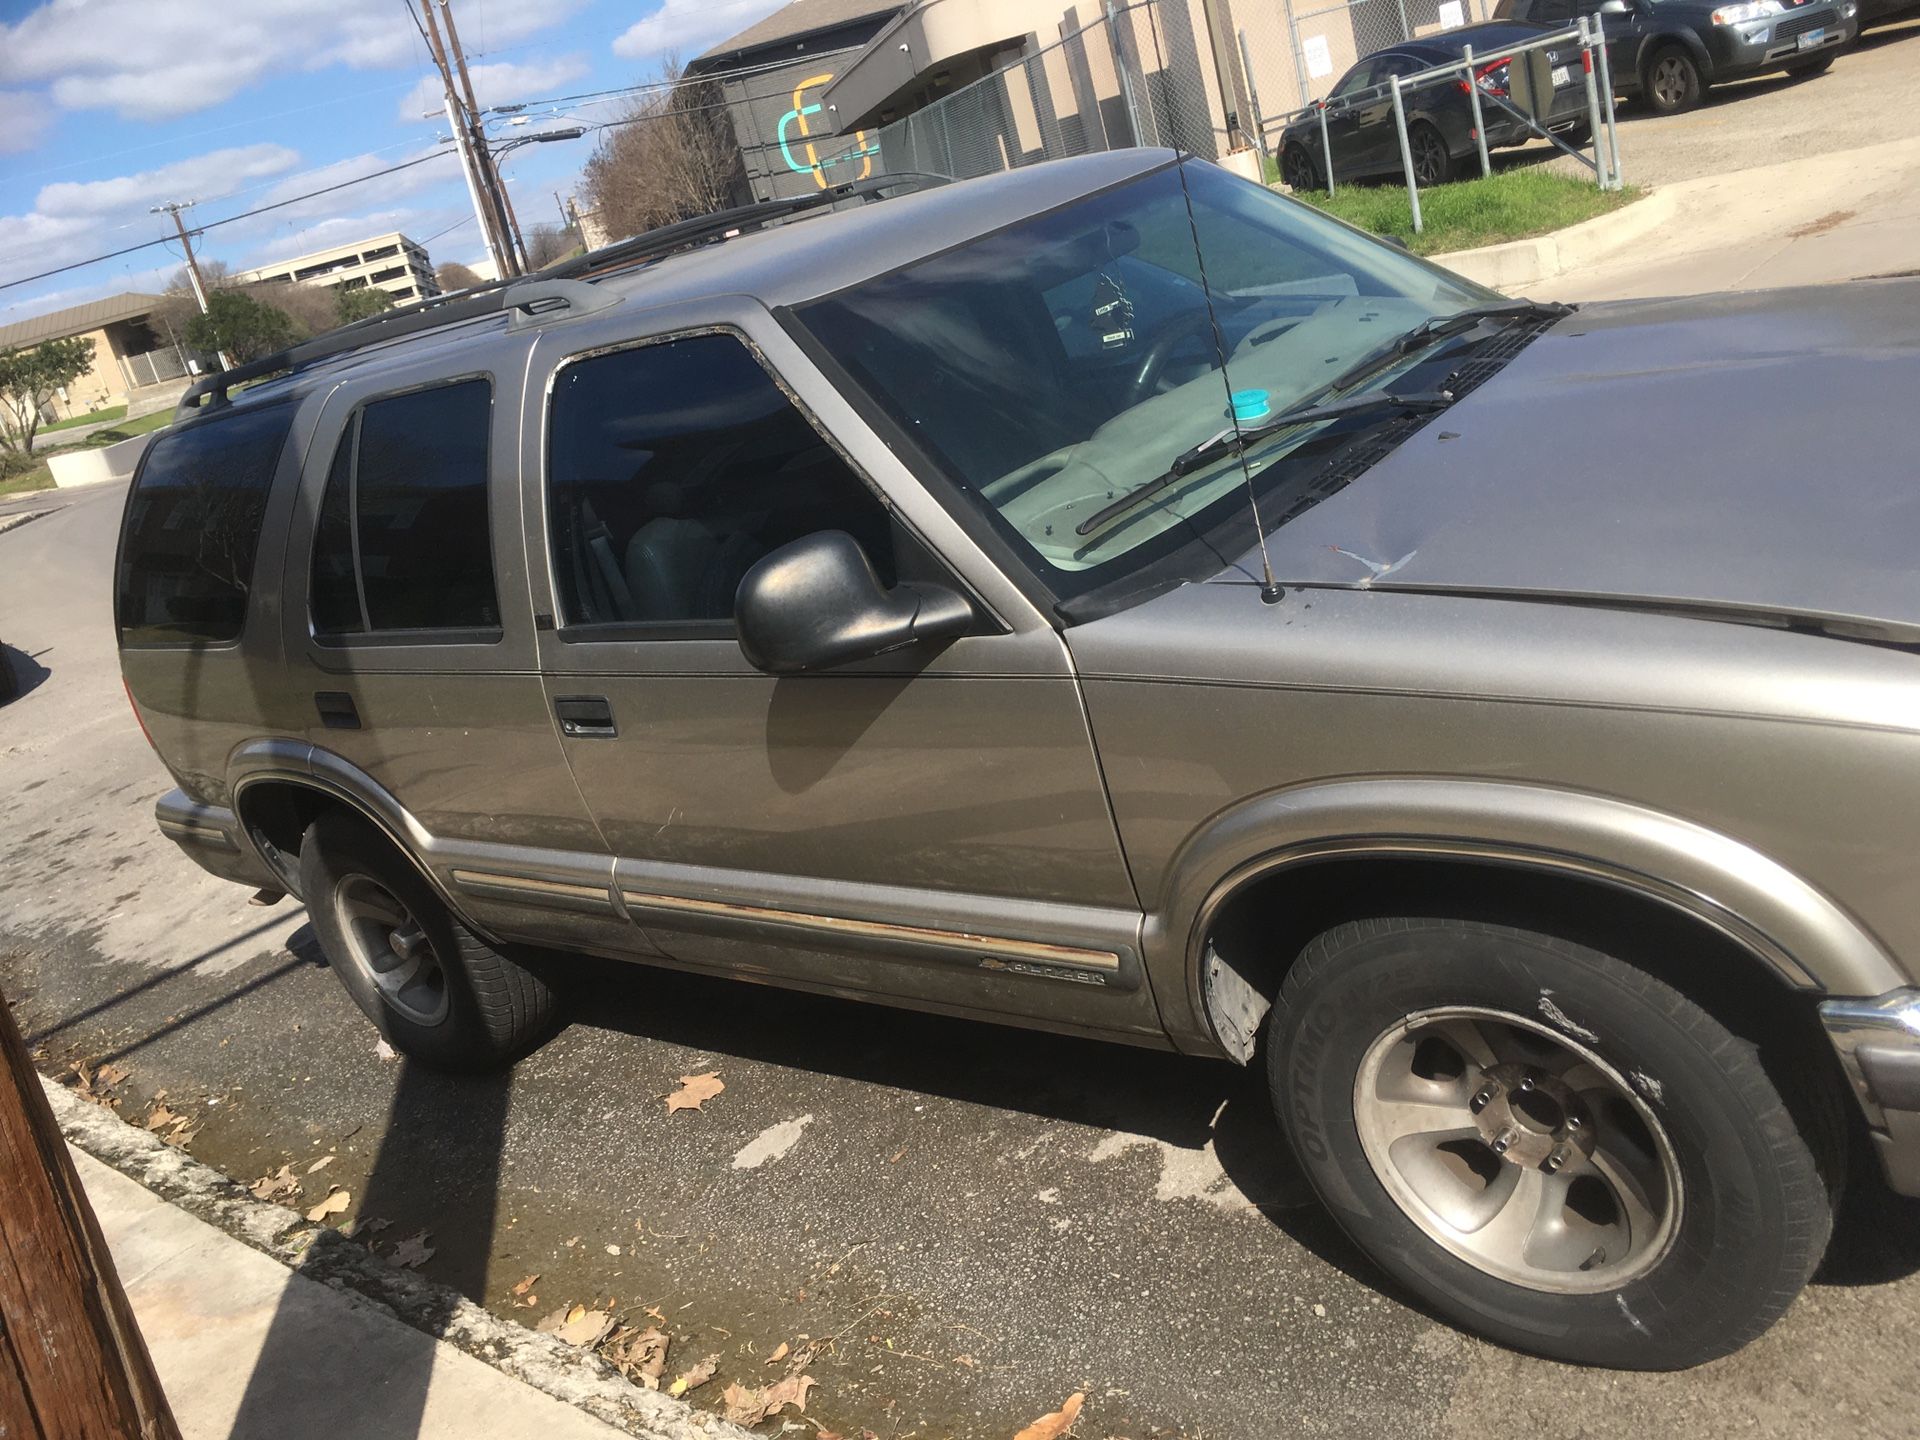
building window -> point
(380, 252)
(392, 273)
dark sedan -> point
(1360, 126)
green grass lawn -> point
(112, 412)
(1511, 205)
(19, 474)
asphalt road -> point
(978, 1221)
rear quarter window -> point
(192, 528)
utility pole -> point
(484, 155)
(173, 208)
(463, 116)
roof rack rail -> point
(530, 297)
(683, 234)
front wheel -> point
(1673, 81)
(1432, 161)
(433, 988)
(1548, 1145)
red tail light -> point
(1493, 77)
(138, 718)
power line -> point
(228, 220)
(654, 86)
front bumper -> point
(1878, 1041)
(212, 838)
(1758, 47)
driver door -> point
(926, 825)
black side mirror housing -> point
(817, 602)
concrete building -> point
(390, 262)
(791, 56)
(133, 356)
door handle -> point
(585, 717)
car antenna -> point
(1270, 591)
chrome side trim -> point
(557, 894)
(995, 952)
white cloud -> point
(157, 59)
(23, 120)
(216, 173)
(497, 84)
(687, 27)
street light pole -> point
(173, 208)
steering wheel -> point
(1167, 339)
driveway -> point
(971, 1222)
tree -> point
(352, 305)
(671, 156)
(311, 308)
(28, 379)
(548, 243)
(452, 275)
(244, 327)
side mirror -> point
(1616, 7)
(816, 602)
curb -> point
(574, 1377)
(1544, 257)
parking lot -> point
(970, 1223)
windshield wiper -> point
(1442, 327)
(1235, 438)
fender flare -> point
(1681, 36)
(1801, 934)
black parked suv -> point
(1360, 126)
(1668, 52)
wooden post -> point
(72, 1363)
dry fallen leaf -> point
(365, 1225)
(108, 1076)
(412, 1252)
(160, 1117)
(525, 1285)
(749, 1405)
(696, 1377)
(321, 1164)
(695, 1091)
(584, 1327)
(386, 1051)
(642, 1355)
(1053, 1426)
(276, 1187)
(780, 1353)
(336, 1201)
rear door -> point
(930, 826)
(411, 645)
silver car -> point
(1113, 598)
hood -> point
(1755, 456)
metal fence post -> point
(1253, 104)
(1406, 151)
(1406, 25)
(1326, 145)
(1120, 63)
(1479, 124)
(1593, 104)
(1606, 101)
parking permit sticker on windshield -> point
(1112, 318)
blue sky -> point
(108, 107)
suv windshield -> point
(1052, 367)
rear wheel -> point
(1548, 1145)
(434, 989)
(1673, 81)
(1432, 161)
(1297, 168)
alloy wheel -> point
(1430, 159)
(1672, 81)
(387, 944)
(1518, 1149)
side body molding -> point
(1808, 940)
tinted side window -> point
(193, 525)
(672, 468)
(403, 540)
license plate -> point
(1561, 77)
(1813, 38)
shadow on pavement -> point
(28, 673)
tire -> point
(468, 1007)
(1579, 137)
(1432, 162)
(1673, 82)
(9, 681)
(1819, 65)
(1299, 171)
(1735, 1195)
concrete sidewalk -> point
(248, 1348)
(212, 1308)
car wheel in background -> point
(1297, 168)
(1673, 81)
(1432, 161)
(438, 992)
(1550, 1146)
(9, 682)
